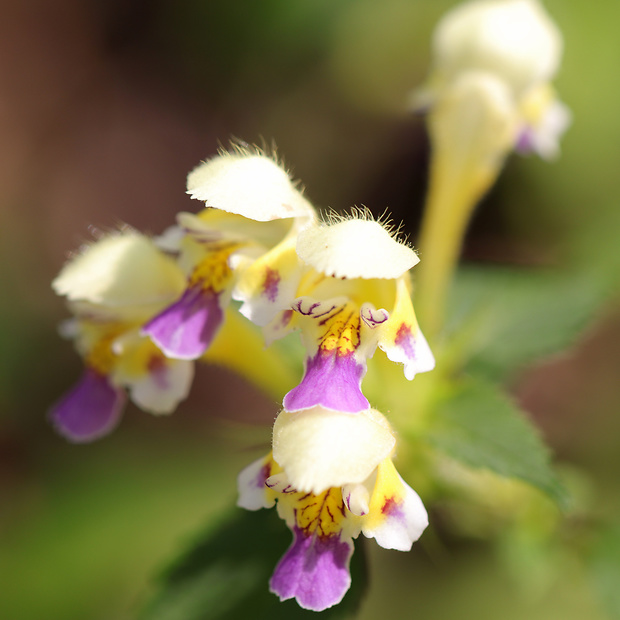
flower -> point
(516, 47)
(347, 272)
(332, 477)
(113, 286)
(488, 93)
(252, 207)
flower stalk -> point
(471, 132)
(488, 93)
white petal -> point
(356, 498)
(422, 359)
(279, 327)
(124, 269)
(69, 329)
(513, 39)
(253, 186)
(546, 135)
(320, 448)
(354, 248)
(161, 391)
(400, 532)
(170, 239)
(251, 486)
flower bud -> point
(513, 39)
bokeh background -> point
(104, 108)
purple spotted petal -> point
(90, 410)
(411, 349)
(314, 571)
(185, 329)
(332, 381)
(406, 341)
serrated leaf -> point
(505, 319)
(481, 427)
(225, 575)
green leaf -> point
(225, 575)
(477, 424)
(504, 319)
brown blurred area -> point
(94, 131)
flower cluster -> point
(257, 263)
(146, 309)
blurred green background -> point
(104, 108)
